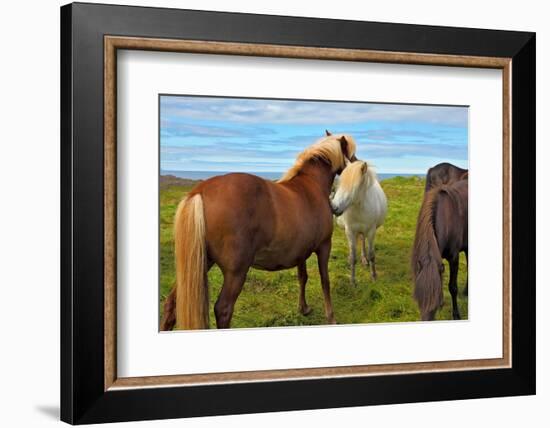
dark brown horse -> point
(444, 173)
(441, 233)
(239, 221)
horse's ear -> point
(364, 168)
(344, 145)
(328, 133)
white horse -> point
(362, 206)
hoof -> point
(306, 310)
(332, 321)
(374, 276)
(364, 261)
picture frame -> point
(91, 391)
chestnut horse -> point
(239, 221)
(441, 232)
(444, 173)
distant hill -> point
(171, 180)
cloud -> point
(442, 151)
(175, 128)
(240, 110)
(182, 158)
(201, 133)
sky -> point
(266, 135)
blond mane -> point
(328, 149)
(352, 175)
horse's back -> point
(443, 173)
(237, 193)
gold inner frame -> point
(113, 43)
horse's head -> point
(357, 175)
(347, 147)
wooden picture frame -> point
(91, 390)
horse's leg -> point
(302, 278)
(364, 260)
(169, 317)
(466, 288)
(233, 282)
(453, 288)
(371, 257)
(352, 241)
(323, 254)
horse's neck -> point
(371, 186)
(362, 195)
(319, 173)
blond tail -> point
(190, 252)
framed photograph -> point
(266, 213)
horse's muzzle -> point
(337, 211)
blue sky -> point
(260, 135)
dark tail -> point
(426, 261)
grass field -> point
(271, 298)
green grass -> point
(271, 298)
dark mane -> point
(426, 259)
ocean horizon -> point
(269, 175)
